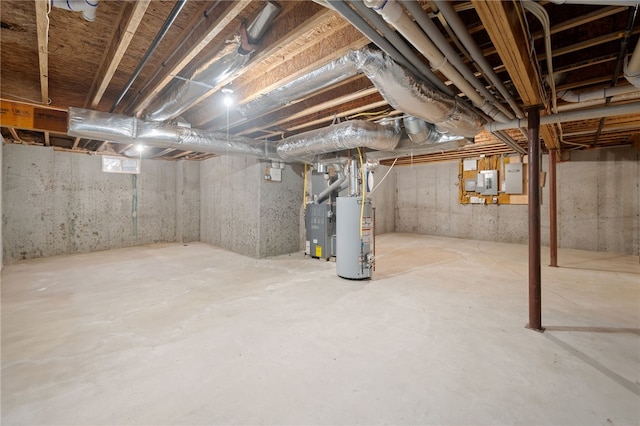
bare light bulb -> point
(227, 101)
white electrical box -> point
(487, 182)
(513, 178)
(469, 164)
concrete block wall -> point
(598, 204)
(243, 213)
(280, 206)
(384, 199)
(187, 201)
(56, 203)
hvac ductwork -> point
(184, 93)
(396, 84)
(403, 92)
(131, 130)
(325, 76)
(87, 7)
(339, 137)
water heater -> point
(354, 238)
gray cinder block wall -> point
(598, 204)
(242, 212)
(58, 202)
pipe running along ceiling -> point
(436, 69)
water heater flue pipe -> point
(87, 7)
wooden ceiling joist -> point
(197, 43)
(504, 24)
(131, 17)
(42, 25)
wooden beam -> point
(301, 24)
(27, 116)
(128, 24)
(505, 26)
(196, 44)
(163, 152)
(47, 142)
(76, 141)
(42, 25)
(14, 134)
(328, 46)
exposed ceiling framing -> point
(53, 59)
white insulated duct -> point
(87, 7)
(406, 94)
(346, 135)
(392, 12)
(183, 93)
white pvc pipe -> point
(632, 95)
(563, 117)
(632, 68)
(87, 7)
(392, 12)
(571, 96)
(462, 32)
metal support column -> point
(553, 210)
(535, 293)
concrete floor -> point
(172, 334)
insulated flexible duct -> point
(325, 76)
(182, 94)
(131, 130)
(123, 129)
(406, 94)
(346, 135)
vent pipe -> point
(87, 7)
(181, 95)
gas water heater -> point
(354, 238)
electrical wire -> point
(385, 176)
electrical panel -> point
(487, 182)
(513, 178)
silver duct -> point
(396, 84)
(346, 135)
(131, 130)
(325, 76)
(406, 94)
(420, 132)
(184, 93)
(123, 129)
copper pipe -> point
(535, 293)
(553, 210)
